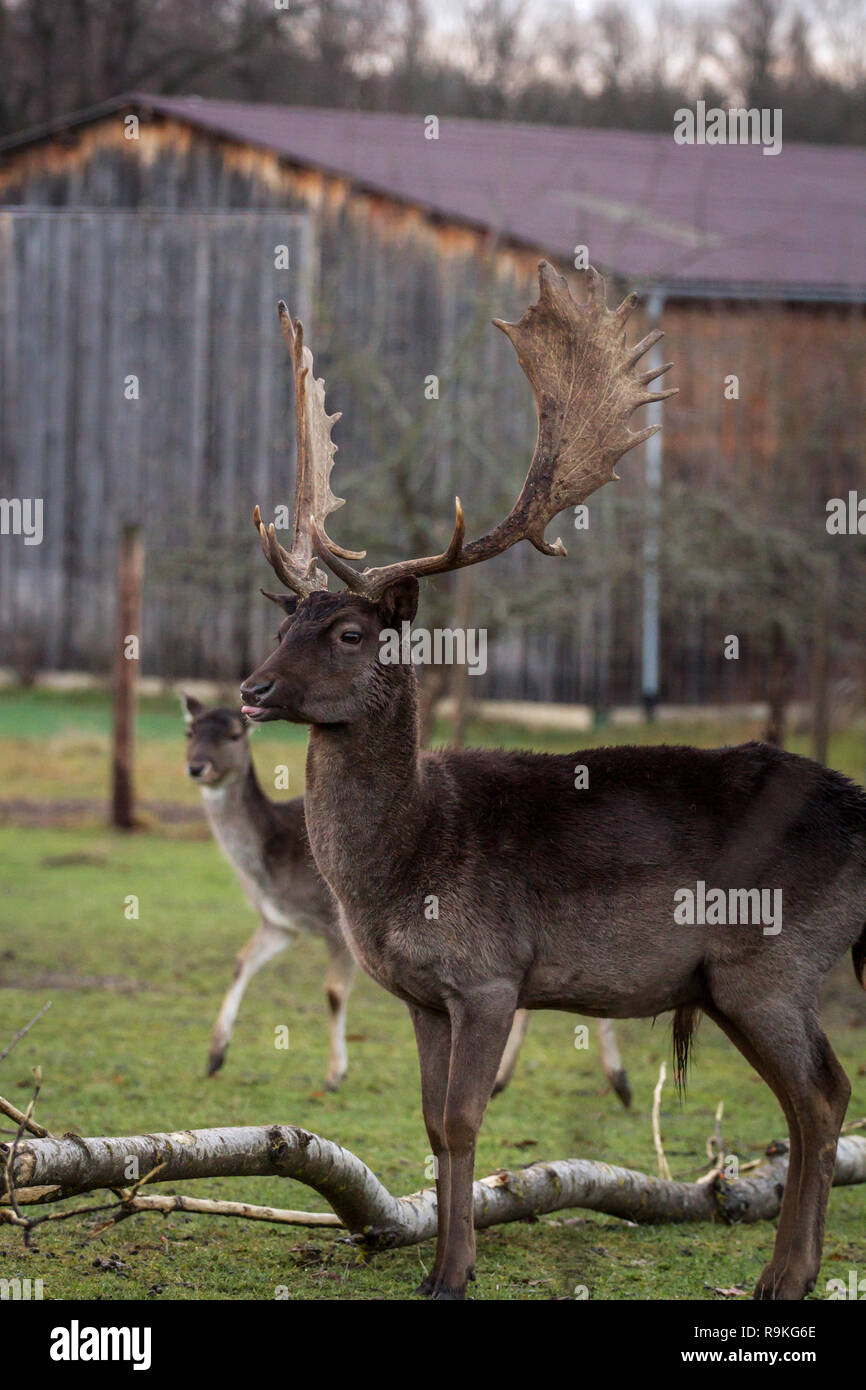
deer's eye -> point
(351, 637)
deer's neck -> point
(363, 801)
(238, 812)
(239, 795)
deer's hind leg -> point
(785, 1043)
(339, 978)
(266, 942)
(513, 1044)
(612, 1062)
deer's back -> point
(608, 813)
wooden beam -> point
(127, 638)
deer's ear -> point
(399, 602)
(191, 707)
(288, 602)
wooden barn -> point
(143, 245)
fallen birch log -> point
(51, 1169)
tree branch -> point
(22, 1031)
(60, 1168)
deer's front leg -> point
(265, 943)
(480, 1024)
(433, 1036)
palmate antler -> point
(585, 387)
(297, 568)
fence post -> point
(130, 571)
(821, 658)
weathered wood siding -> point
(185, 304)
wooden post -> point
(821, 665)
(127, 636)
(460, 677)
(779, 678)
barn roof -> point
(696, 219)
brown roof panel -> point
(724, 218)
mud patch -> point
(20, 811)
(58, 979)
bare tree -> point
(754, 28)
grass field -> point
(124, 1044)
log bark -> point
(52, 1169)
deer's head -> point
(217, 746)
(327, 667)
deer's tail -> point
(686, 1020)
(858, 955)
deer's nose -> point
(196, 769)
(256, 692)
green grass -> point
(124, 1045)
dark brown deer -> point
(266, 844)
(551, 897)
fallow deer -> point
(551, 897)
(266, 844)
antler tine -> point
(653, 372)
(626, 309)
(370, 583)
(278, 558)
(643, 346)
(297, 568)
(585, 388)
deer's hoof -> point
(619, 1081)
(214, 1062)
(452, 1294)
(426, 1287)
(788, 1286)
(333, 1083)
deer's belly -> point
(614, 986)
(610, 1001)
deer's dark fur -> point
(552, 897)
(548, 896)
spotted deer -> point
(551, 897)
(266, 844)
